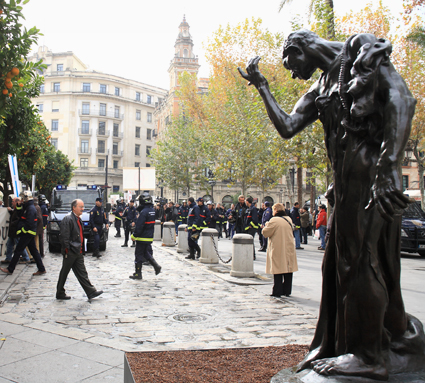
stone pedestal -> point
(157, 232)
(183, 246)
(242, 256)
(208, 253)
(169, 234)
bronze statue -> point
(366, 111)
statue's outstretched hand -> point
(387, 198)
(253, 74)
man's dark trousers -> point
(143, 252)
(76, 263)
(96, 237)
(26, 240)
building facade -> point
(98, 120)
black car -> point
(413, 230)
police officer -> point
(192, 237)
(97, 219)
(143, 235)
(221, 222)
(200, 216)
(44, 210)
(251, 219)
(213, 218)
(119, 211)
(26, 230)
(267, 216)
(130, 215)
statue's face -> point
(299, 64)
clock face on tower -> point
(185, 32)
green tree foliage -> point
(21, 131)
(178, 157)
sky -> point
(135, 38)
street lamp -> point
(292, 173)
(161, 186)
(281, 195)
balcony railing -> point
(117, 153)
(104, 133)
(84, 132)
(102, 151)
(118, 135)
(100, 113)
(86, 151)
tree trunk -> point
(300, 186)
(331, 27)
(312, 194)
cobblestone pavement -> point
(186, 306)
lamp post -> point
(281, 195)
(161, 186)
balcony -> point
(117, 136)
(100, 113)
(86, 151)
(103, 133)
(84, 132)
(102, 151)
(117, 153)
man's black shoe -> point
(125, 245)
(133, 245)
(95, 294)
(190, 257)
(263, 250)
(63, 297)
(300, 248)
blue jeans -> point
(297, 238)
(322, 231)
(10, 246)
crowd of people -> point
(279, 238)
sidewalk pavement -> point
(188, 306)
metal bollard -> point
(183, 246)
(209, 246)
(169, 234)
(157, 231)
(242, 256)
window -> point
(115, 148)
(117, 112)
(148, 165)
(56, 87)
(102, 109)
(148, 150)
(115, 164)
(149, 134)
(116, 188)
(102, 88)
(149, 117)
(42, 88)
(137, 150)
(102, 130)
(138, 115)
(84, 163)
(137, 131)
(405, 182)
(85, 127)
(167, 120)
(116, 130)
(136, 164)
(59, 67)
(84, 146)
(149, 99)
(54, 142)
(55, 125)
(86, 108)
(117, 91)
(137, 96)
(101, 163)
(55, 106)
(86, 87)
(101, 146)
(40, 108)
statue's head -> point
(297, 54)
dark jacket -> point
(70, 234)
(15, 215)
(213, 219)
(239, 213)
(184, 211)
(130, 214)
(295, 216)
(39, 220)
(45, 213)
(191, 215)
(201, 215)
(28, 220)
(251, 218)
(97, 218)
(145, 225)
(267, 215)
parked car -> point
(413, 230)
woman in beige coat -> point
(281, 257)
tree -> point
(19, 122)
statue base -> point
(290, 375)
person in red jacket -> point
(321, 224)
